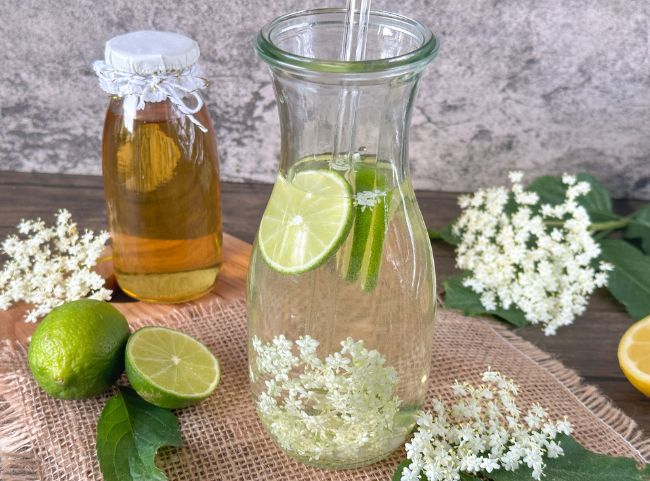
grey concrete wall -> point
(540, 85)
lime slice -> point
(306, 221)
(369, 228)
(170, 369)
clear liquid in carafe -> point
(161, 182)
(329, 305)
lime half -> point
(170, 369)
(306, 221)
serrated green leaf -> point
(462, 298)
(597, 202)
(639, 227)
(470, 477)
(448, 236)
(397, 475)
(579, 464)
(629, 282)
(129, 433)
(434, 234)
(444, 234)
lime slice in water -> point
(306, 221)
(369, 228)
(170, 369)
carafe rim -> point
(412, 61)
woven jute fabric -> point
(42, 438)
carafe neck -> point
(317, 126)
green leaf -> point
(469, 477)
(597, 202)
(397, 475)
(629, 282)
(579, 464)
(639, 227)
(444, 234)
(129, 433)
(462, 298)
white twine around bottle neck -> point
(136, 89)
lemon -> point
(634, 355)
(77, 351)
(305, 221)
(170, 369)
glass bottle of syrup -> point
(160, 168)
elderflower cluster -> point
(48, 266)
(482, 431)
(368, 198)
(540, 259)
(341, 408)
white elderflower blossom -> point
(333, 408)
(368, 198)
(51, 265)
(482, 431)
(540, 259)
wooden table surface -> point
(588, 346)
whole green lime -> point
(77, 351)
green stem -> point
(554, 223)
(596, 226)
(609, 225)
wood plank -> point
(230, 285)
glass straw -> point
(353, 48)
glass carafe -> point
(341, 286)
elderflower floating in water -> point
(540, 259)
(368, 198)
(51, 265)
(482, 431)
(343, 407)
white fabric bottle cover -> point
(152, 66)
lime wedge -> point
(369, 228)
(376, 249)
(305, 221)
(170, 369)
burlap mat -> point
(47, 439)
